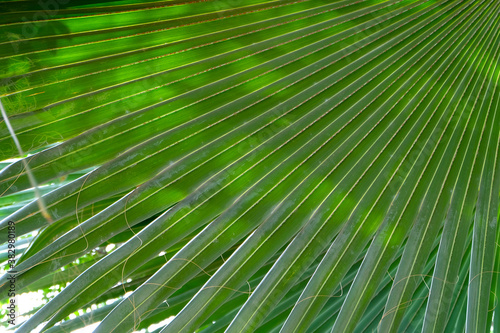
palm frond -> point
(254, 166)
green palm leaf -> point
(253, 166)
